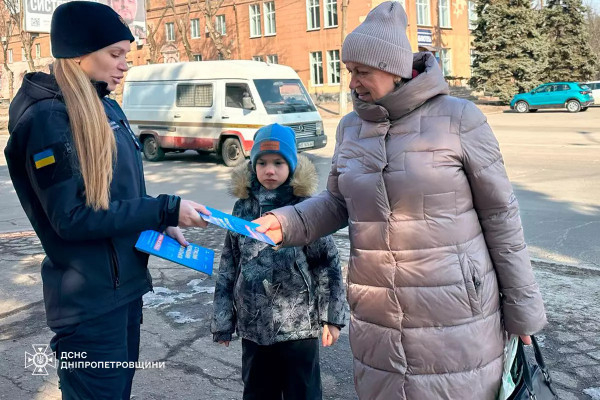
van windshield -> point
(284, 96)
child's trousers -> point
(287, 370)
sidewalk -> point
(176, 330)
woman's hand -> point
(526, 339)
(330, 335)
(176, 234)
(269, 224)
(188, 214)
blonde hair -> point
(94, 139)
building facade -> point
(304, 34)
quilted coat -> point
(439, 269)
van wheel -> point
(152, 151)
(231, 152)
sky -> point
(595, 4)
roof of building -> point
(225, 69)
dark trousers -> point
(114, 336)
(288, 370)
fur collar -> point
(304, 182)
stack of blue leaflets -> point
(236, 224)
(163, 246)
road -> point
(552, 159)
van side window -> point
(190, 95)
(234, 93)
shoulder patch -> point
(44, 158)
(52, 164)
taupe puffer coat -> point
(439, 268)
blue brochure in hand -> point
(163, 246)
(236, 224)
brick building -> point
(304, 34)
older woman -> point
(439, 271)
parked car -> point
(217, 106)
(573, 96)
(595, 86)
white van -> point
(217, 106)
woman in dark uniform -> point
(76, 168)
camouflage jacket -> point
(269, 295)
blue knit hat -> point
(275, 139)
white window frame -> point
(333, 67)
(170, 31)
(10, 56)
(270, 23)
(38, 50)
(316, 68)
(195, 28)
(254, 18)
(220, 24)
(313, 15)
(272, 59)
(331, 15)
(423, 12)
(472, 15)
(197, 57)
(446, 61)
(445, 19)
(257, 58)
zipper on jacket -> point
(114, 261)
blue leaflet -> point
(163, 246)
(236, 224)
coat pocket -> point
(473, 283)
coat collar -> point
(406, 97)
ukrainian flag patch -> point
(44, 158)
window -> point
(195, 28)
(444, 10)
(270, 18)
(423, 17)
(38, 50)
(333, 66)
(194, 95)
(197, 57)
(316, 68)
(235, 93)
(331, 18)
(257, 58)
(10, 56)
(313, 14)
(170, 31)
(220, 56)
(255, 20)
(472, 15)
(272, 59)
(220, 24)
(446, 59)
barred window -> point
(194, 95)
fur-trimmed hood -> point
(304, 182)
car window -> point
(562, 87)
(542, 89)
(234, 94)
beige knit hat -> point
(381, 42)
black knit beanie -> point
(82, 27)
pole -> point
(343, 73)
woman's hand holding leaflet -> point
(269, 224)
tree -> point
(154, 43)
(593, 23)
(183, 25)
(570, 55)
(27, 38)
(509, 50)
(210, 8)
(6, 31)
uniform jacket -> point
(91, 265)
(272, 295)
(439, 267)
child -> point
(277, 299)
